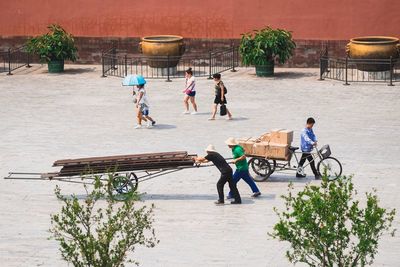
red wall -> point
(308, 19)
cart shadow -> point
(288, 179)
(186, 197)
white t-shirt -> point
(144, 99)
(191, 84)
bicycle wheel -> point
(122, 187)
(332, 167)
(260, 169)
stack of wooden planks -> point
(149, 161)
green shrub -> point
(326, 226)
(266, 45)
(90, 234)
(57, 44)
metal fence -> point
(14, 59)
(360, 70)
(203, 65)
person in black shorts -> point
(220, 97)
(226, 174)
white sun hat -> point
(231, 142)
(211, 148)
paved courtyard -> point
(47, 117)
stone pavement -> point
(48, 117)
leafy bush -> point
(57, 44)
(326, 226)
(91, 235)
(266, 45)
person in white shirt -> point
(143, 108)
(190, 92)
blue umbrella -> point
(131, 80)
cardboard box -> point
(260, 149)
(277, 151)
(247, 144)
(282, 137)
(265, 137)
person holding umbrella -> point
(226, 174)
(142, 102)
(143, 108)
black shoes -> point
(298, 175)
(219, 202)
(256, 194)
(317, 177)
(153, 122)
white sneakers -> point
(188, 112)
(139, 126)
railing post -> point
(126, 65)
(28, 60)
(210, 67)
(347, 59)
(321, 71)
(9, 62)
(168, 79)
(233, 59)
(391, 72)
(114, 56)
(102, 65)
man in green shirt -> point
(242, 168)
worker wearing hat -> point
(226, 174)
(242, 168)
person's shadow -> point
(163, 127)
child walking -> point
(143, 108)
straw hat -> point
(231, 142)
(211, 148)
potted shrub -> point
(53, 48)
(262, 47)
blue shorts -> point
(145, 112)
(192, 93)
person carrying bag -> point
(220, 98)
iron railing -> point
(3, 62)
(203, 65)
(360, 70)
(14, 59)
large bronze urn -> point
(375, 48)
(163, 51)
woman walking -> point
(143, 108)
(190, 92)
(220, 96)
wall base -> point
(306, 55)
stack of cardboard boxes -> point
(272, 145)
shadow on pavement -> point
(289, 178)
(212, 197)
(288, 75)
(78, 71)
(163, 127)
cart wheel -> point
(332, 166)
(261, 169)
(122, 187)
(273, 165)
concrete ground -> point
(77, 114)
